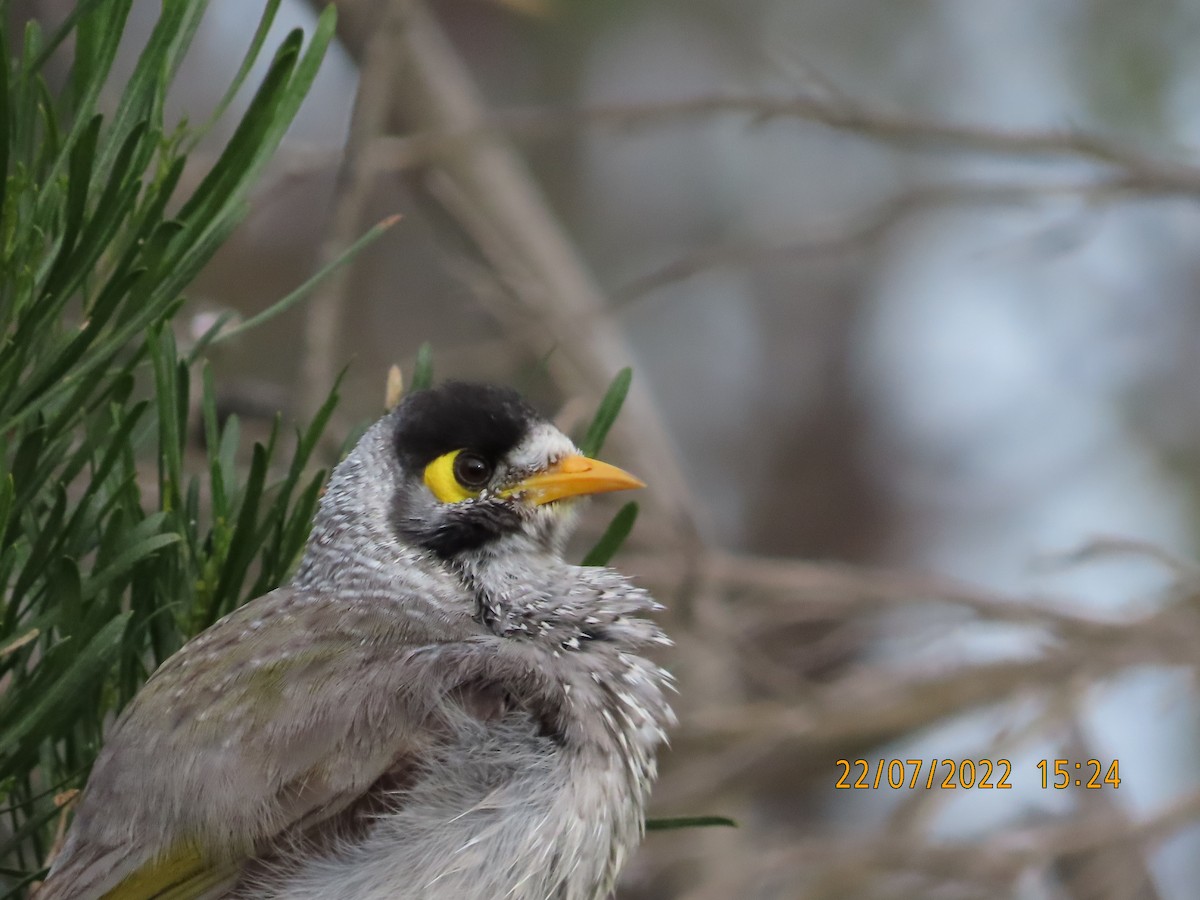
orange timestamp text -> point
(909, 774)
(1060, 774)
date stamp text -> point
(971, 774)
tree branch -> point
(554, 300)
(322, 329)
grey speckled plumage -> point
(433, 708)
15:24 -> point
(1066, 773)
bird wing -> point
(185, 875)
(278, 717)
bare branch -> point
(1135, 170)
(352, 194)
(1142, 171)
(553, 301)
(868, 228)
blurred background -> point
(909, 289)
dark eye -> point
(471, 469)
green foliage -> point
(672, 824)
(614, 536)
(112, 551)
(602, 422)
(423, 370)
(218, 333)
(606, 415)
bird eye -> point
(458, 475)
(471, 470)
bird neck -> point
(352, 541)
(529, 593)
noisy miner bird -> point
(437, 706)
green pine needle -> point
(614, 536)
(689, 822)
(423, 369)
(606, 415)
(101, 578)
(307, 287)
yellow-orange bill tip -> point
(574, 476)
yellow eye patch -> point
(442, 481)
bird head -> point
(463, 470)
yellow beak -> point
(573, 476)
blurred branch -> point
(997, 859)
(866, 704)
(816, 591)
(1129, 172)
(1137, 171)
(1113, 868)
(487, 189)
(873, 704)
(775, 594)
(352, 193)
(865, 863)
(390, 155)
(864, 231)
(1143, 171)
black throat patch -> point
(462, 527)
